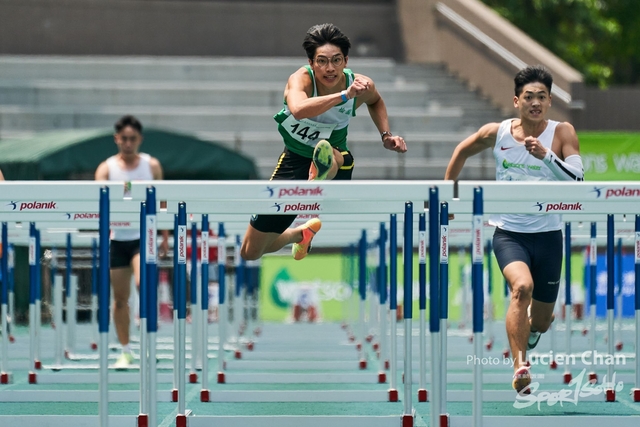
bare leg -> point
(517, 322)
(257, 243)
(541, 315)
(121, 284)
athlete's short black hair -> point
(128, 120)
(322, 34)
(532, 74)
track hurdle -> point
(417, 198)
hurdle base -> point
(221, 378)
(407, 420)
(237, 354)
(505, 354)
(143, 420)
(489, 345)
(5, 378)
(205, 396)
(174, 395)
(382, 378)
(635, 394)
(369, 338)
(376, 346)
(393, 395)
(358, 346)
(553, 365)
(250, 346)
(422, 395)
(12, 338)
(619, 346)
(387, 365)
(352, 338)
(193, 377)
(32, 378)
(610, 395)
(363, 364)
(181, 420)
(593, 378)
(567, 377)
(444, 420)
(37, 364)
(94, 346)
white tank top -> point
(514, 163)
(141, 173)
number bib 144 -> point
(307, 131)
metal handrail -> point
(493, 45)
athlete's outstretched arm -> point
(378, 112)
(484, 138)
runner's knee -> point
(522, 291)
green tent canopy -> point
(75, 154)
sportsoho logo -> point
(32, 206)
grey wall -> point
(617, 108)
(199, 28)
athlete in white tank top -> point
(142, 172)
(528, 248)
(514, 163)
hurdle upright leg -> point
(181, 418)
(636, 390)
(568, 314)
(222, 315)
(593, 260)
(610, 392)
(393, 307)
(204, 308)
(407, 252)
(362, 292)
(4, 360)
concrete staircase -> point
(233, 100)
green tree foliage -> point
(600, 38)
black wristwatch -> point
(385, 133)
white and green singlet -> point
(301, 136)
